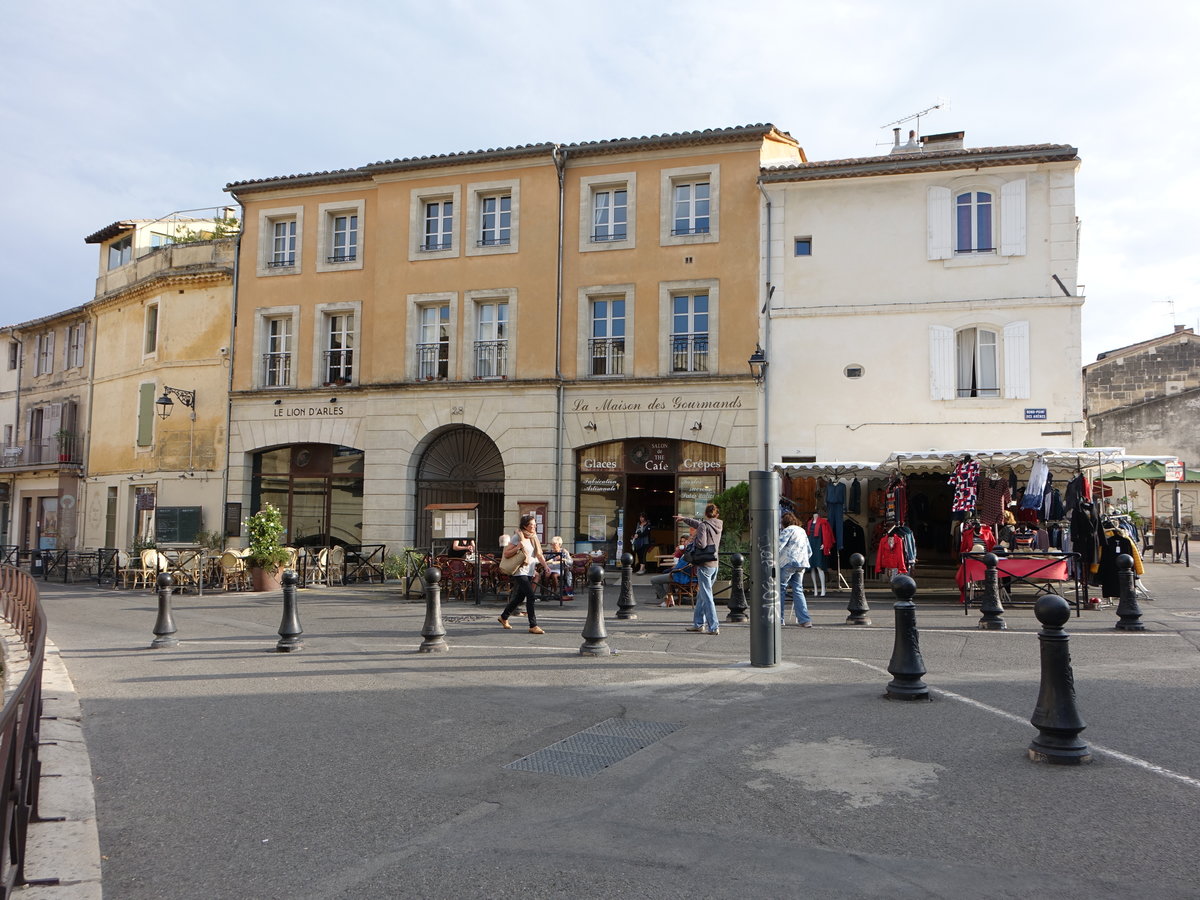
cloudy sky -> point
(138, 109)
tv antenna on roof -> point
(917, 115)
(1170, 301)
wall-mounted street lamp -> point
(165, 404)
(758, 364)
(589, 426)
(696, 426)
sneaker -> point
(713, 631)
(806, 625)
(536, 630)
(695, 628)
(504, 623)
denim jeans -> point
(705, 613)
(791, 577)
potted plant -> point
(267, 553)
(65, 440)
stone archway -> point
(461, 465)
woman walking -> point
(794, 555)
(525, 540)
(708, 544)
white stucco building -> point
(923, 299)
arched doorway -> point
(317, 487)
(462, 465)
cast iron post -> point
(765, 620)
(432, 631)
(1129, 614)
(1056, 717)
(625, 602)
(907, 665)
(737, 589)
(289, 626)
(164, 628)
(857, 607)
(993, 612)
(595, 638)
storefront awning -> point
(1017, 457)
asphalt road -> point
(360, 768)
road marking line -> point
(1096, 748)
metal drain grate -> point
(584, 754)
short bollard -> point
(857, 607)
(625, 602)
(993, 611)
(595, 638)
(738, 608)
(1056, 717)
(1129, 614)
(164, 628)
(289, 626)
(907, 665)
(432, 631)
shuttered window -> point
(145, 432)
(1016, 360)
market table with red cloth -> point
(1034, 569)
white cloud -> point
(156, 109)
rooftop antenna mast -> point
(1170, 301)
(917, 115)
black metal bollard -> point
(857, 607)
(432, 631)
(289, 626)
(595, 638)
(1056, 717)
(907, 665)
(1129, 614)
(993, 611)
(164, 627)
(625, 602)
(738, 608)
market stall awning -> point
(1149, 471)
(1055, 457)
(855, 469)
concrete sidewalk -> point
(510, 765)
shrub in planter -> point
(267, 553)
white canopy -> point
(829, 469)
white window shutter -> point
(938, 215)
(941, 362)
(1016, 360)
(1012, 218)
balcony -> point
(277, 370)
(338, 366)
(689, 353)
(491, 359)
(65, 449)
(433, 361)
(608, 356)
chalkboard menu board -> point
(177, 524)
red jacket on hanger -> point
(819, 527)
(890, 554)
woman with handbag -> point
(526, 545)
(704, 557)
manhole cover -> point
(589, 751)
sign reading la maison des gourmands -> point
(654, 404)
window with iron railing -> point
(608, 356)
(495, 220)
(277, 369)
(433, 361)
(338, 366)
(689, 353)
(439, 225)
(692, 206)
(283, 244)
(491, 359)
(344, 247)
